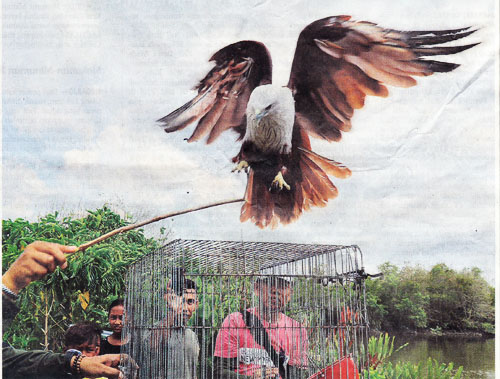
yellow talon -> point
(242, 165)
(279, 182)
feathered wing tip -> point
(338, 62)
(434, 37)
(310, 187)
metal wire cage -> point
(221, 309)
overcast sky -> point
(84, 82)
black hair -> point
(187, 285)
(82, 332)
(275, 281)
(180, 283)
(115, 304)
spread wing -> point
(338, 62)
(224, 92)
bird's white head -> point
(273, 101)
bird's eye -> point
(268, 107)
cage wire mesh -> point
(221, 309)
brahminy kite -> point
(337, 63)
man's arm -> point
(37, 260)
(9, 311)
(33, 364)
(22, 363)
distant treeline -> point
(440, 299)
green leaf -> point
(100, 269)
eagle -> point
(337, 63)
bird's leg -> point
(279, 181)
(241, 165)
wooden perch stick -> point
(158, 218)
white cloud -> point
(83, 84)
(147, 172)
(26, 191)
(40, 119)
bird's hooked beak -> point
(260, 115)
(263, 113)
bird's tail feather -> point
(310, 187)
(330, 166)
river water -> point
(476, 355)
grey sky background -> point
(84, 81)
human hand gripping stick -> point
(37, 260)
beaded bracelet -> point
(75, 367)
(78, 363)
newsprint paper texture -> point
(85, 81)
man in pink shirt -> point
(262, 342)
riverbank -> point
(434, 333)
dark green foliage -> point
(429, 369)
(49, 306)
(439, 299)
(459, 301)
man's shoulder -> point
(235, 319)
(190, 332)
(237, 315)
(190, 336)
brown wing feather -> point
(338, 62)
(224, 92)
(233, 111)
(208, 121)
